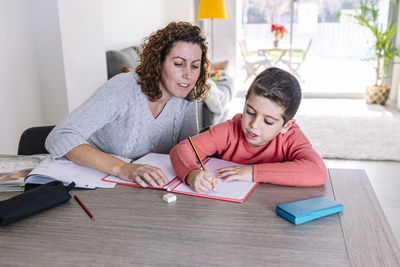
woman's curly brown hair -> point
(156, 48)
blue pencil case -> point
(302, 211)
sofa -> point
(212, 111)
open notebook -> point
(234, 191)
(66, 171)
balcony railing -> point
(332, 40)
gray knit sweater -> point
(116, 119)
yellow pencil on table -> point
(198, 157)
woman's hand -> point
(143, 174)
(240, 173)
(200, 181)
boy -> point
(265, 138)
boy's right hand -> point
(200, 181)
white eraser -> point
(169, 197)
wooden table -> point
(134, 226)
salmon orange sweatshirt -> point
(288, 159)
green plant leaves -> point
(384, 49)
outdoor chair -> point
(252, 62)
(295, 63)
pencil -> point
(198, 157)
(84, 207)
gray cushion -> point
(127, 57)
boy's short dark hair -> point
(279, 86)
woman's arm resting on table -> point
(140, 173)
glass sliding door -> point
(323, 48)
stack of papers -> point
(67, 171)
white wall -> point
(20, 98)
(225, 35)
(127, 22)
(180, 10)
(85, 69)
(49, 59)
(395, 83)
(53, 53)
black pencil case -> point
(34, 201)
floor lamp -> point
(211, 9)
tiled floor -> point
(384, 175)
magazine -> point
(14, 169)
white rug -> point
(350, 129)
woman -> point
(136, 113)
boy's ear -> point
(287, 125)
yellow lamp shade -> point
(211, 9)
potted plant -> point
(383, 47)
(279, 32)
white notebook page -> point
(232, 189)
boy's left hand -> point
(240, 173)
